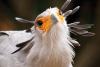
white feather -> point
(50, 49)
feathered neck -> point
(52, 49)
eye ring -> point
(39, 23)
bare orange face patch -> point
(43, 23)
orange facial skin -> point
(46, 23)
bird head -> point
(49, 18)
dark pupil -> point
(39, 23)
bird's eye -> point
(39, 23)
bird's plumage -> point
(46, 44)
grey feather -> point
(18, 36)
(64, 6)
(70, 12)
(23, 20)
(75, 9)
(78, 29)
(67, 13)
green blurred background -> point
(88, 54)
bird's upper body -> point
(46, 44)
(49, 43)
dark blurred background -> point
(88, 54)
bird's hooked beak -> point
(54, 19)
